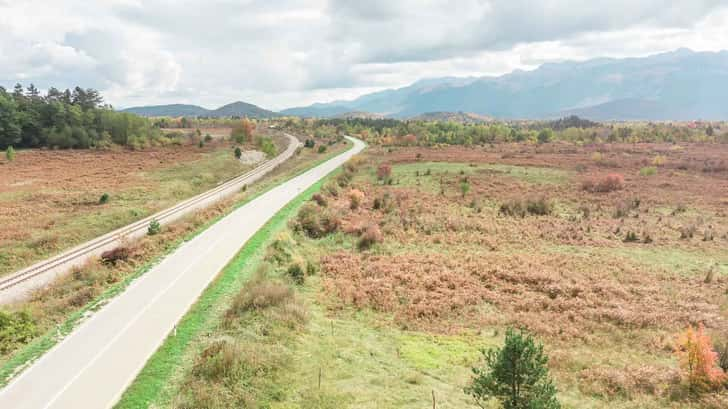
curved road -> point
(20, 284)
(94, 364)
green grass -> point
(148, 384)
(406, 174)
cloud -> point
(280, 53)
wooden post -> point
(434, 405)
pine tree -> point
(516, 375)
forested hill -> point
(67, 119)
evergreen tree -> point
(516, 375)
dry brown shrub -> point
(546, 293)
(371, 236)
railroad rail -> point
(82, 253)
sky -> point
(284, 53)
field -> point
(50, 200)
(34, 325)
(382, 293)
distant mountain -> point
(358, 115)
(679, 85)
(168, 110)
(241, 109)
(462, 117)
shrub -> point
(267, 146)
(605, 184)
(319, 199)
(464, 187)
(384, 172)
(519, 208)
(295, 271)
(238, 153)
(259, 294)
(631, 237)
(356, 197)
(10, 154)
(309, 143)
(648, 171)
(117, 254)
(15, 329)
(698, 360)
(104, 198)
(154, 227)
(343, 179)
(322, 149)
(201, 144)
(316, 223)
(516, 375)
(659, 160)
(208, 138)
(371, 235)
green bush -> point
(154, 227)
(322, 149)
(648, 171)
(520, 208)
(10, 154)
(295, 271)
(15, 329)
(238, 153)
(516, 375)
(104, 198)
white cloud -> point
(280, 53)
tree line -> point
(571, 129)
(66, 119)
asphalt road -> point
(94, 364)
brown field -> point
(607, 307)
(49, 199)
(398, 286)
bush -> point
(259, 294)
(606, 184)
(659, 160)
(322, 149)
(648, 171)
(384, 172)
(516, 375)
(371, 235)
(201, 144)
(356, 197)
(154, 227)
(117, 254)
(316, 223)
(267, 146)
(15, 329)
(519, 208)
(208, 138)
(698, 360)
(631, 237)
(309, 143)
(238, 153)
(10, 154)
(319, 199)
(464, 187)
(295, 271)
(104, 198)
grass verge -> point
(150, 381)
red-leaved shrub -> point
(608, 183)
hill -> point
(680, 85)
(241, 109)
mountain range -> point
(678, 85)
(240, 109)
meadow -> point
(386, 285)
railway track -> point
(93, 248)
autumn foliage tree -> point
(243, 131)
(698, 360)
